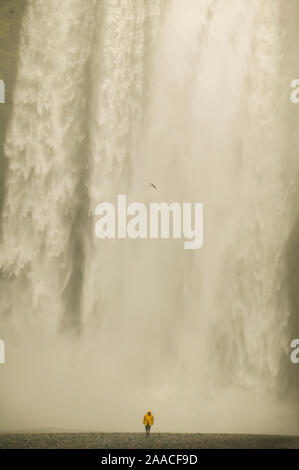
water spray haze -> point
(194, 96)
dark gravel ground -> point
(139, 441)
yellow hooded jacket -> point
(148, 418)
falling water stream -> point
(110, 96)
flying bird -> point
(154, 186)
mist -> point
(194, 97)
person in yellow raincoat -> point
(148, 421)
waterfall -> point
(110, 96)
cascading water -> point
(111, 95)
